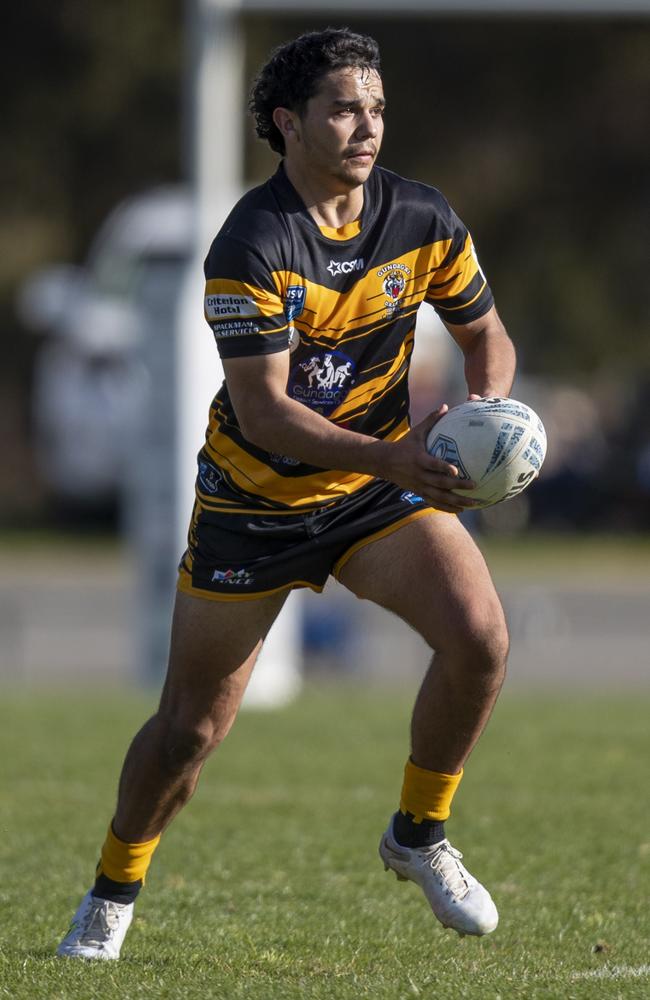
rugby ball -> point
(499, 443)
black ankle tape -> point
(411, 834)
(116, 892)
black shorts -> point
(242, 556)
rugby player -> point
(310, 468)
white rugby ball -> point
(499, 443)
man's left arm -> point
(489, 354)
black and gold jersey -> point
(344, 303)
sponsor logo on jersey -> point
(230, 305)
(409, 497)
(209, 477)
(235, 328)
(240, 577)
(323, 381)
(345, 266)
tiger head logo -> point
(394, 285)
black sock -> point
(408, 833)
(117, 892)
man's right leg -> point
(214, 645)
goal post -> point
(216, 100)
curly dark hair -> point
(293, 71)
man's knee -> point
(480, 639)
(184, 744)
(489, 642)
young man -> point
(310, 468)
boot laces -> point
(445, 860)
(101, 923)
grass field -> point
(269, 885)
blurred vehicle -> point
(89, 376)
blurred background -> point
(534, 125)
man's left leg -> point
(431, 574)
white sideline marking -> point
(614, 972)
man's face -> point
(337, 138)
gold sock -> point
(427, 794)
(124, 862)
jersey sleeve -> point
(458, 289)
(242, 305)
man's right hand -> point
(409, 464)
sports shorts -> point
(245, 556)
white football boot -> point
(97, 930)
(456, 898)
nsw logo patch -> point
(294, 302)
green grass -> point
(269, 886)
(603, 559)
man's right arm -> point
(270, 419)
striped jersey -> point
(344, 303)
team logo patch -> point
(394, 285)
(323, 381)
(209, 477)
(240, 577)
